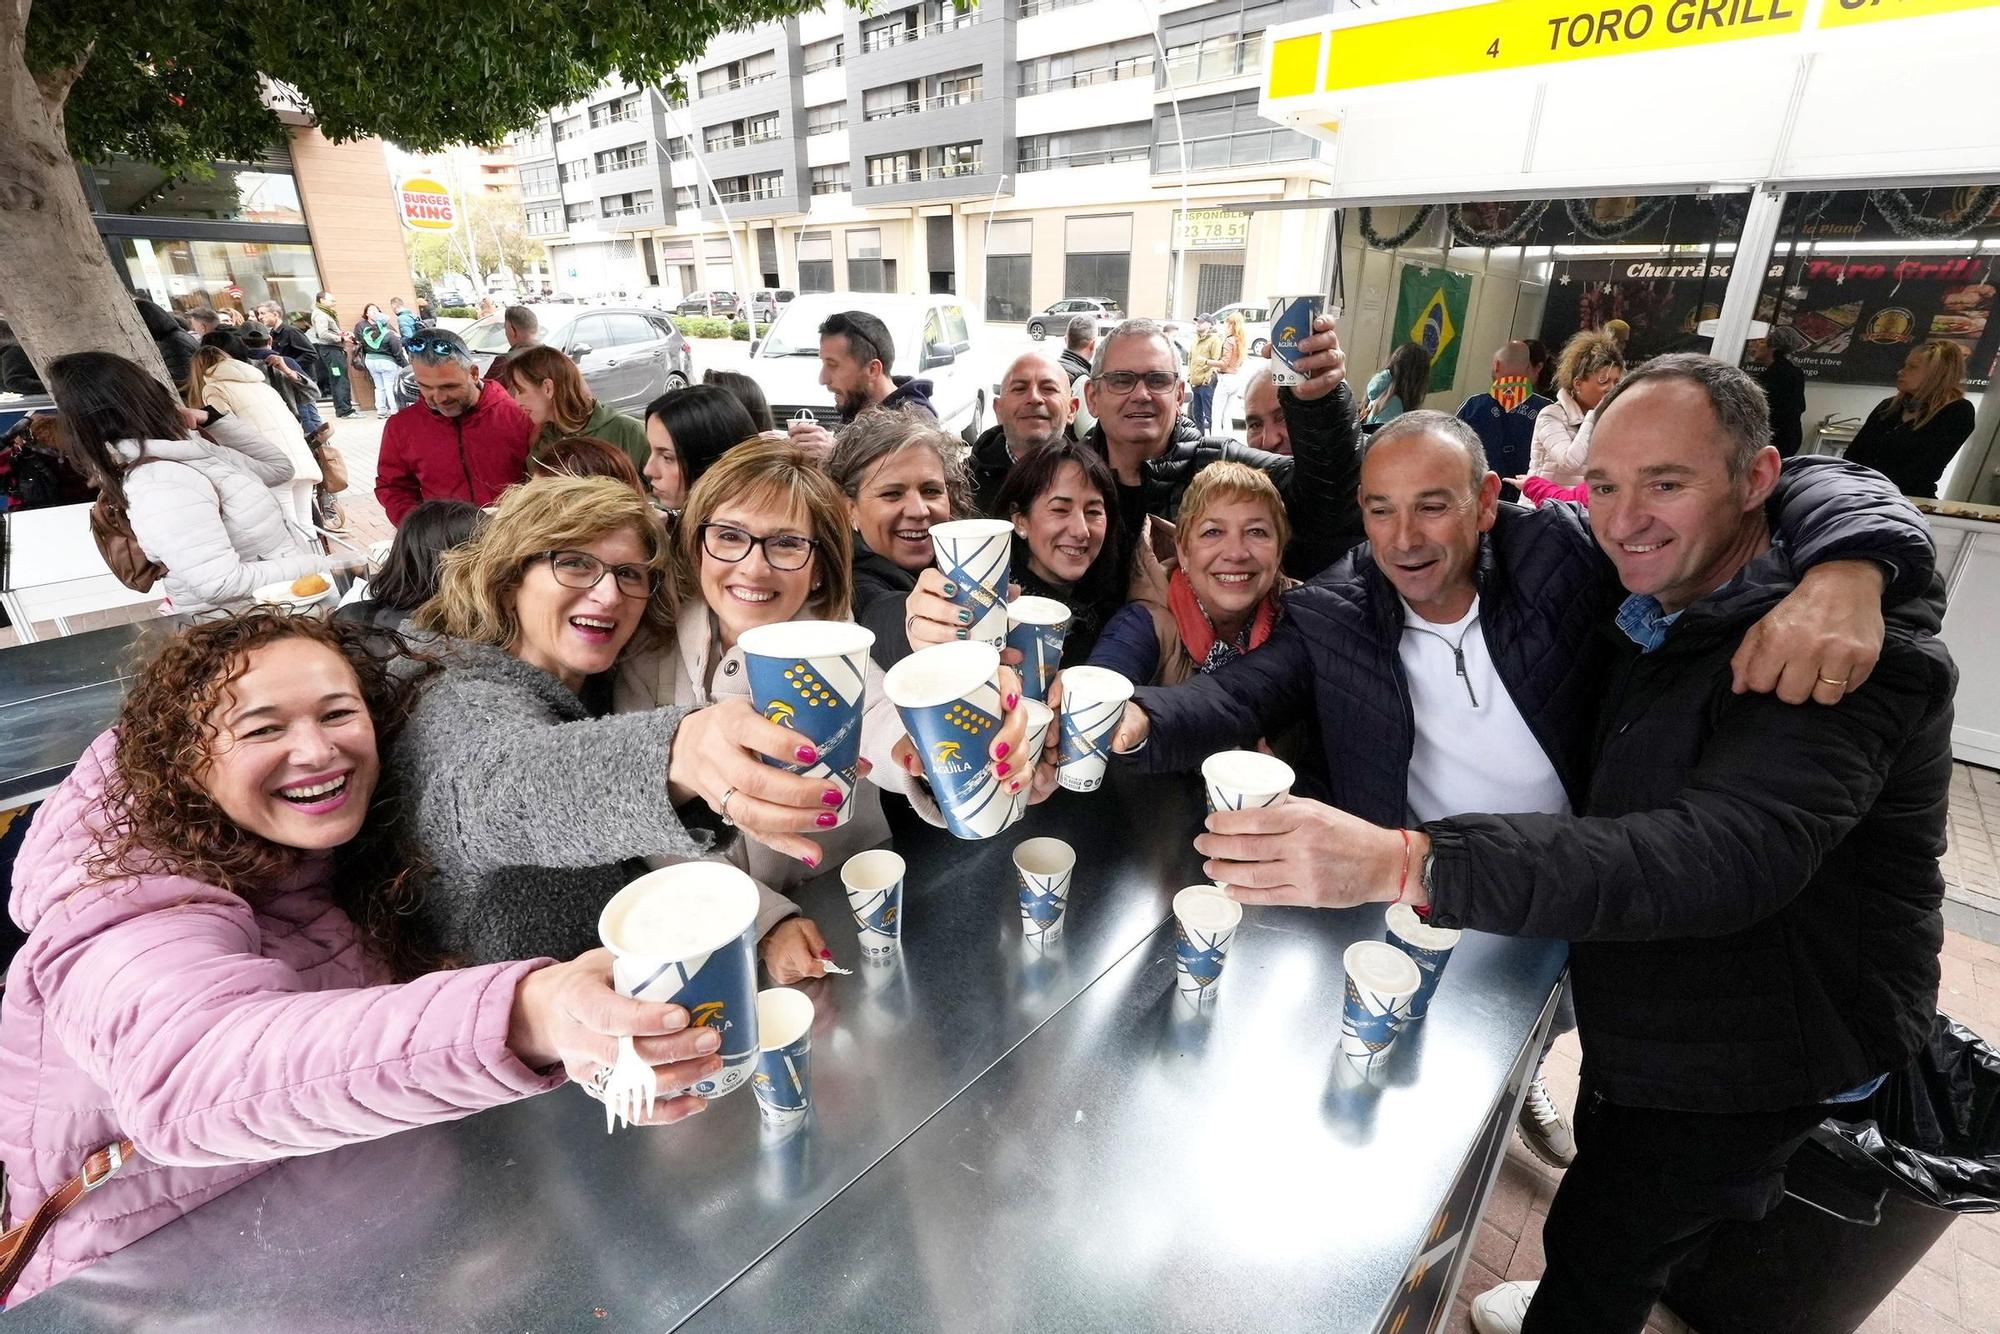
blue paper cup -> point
(1043, 866)
(1291, 319)
(874, 883)
(949, 699)
(688, 934)
(811, 677)
(1205, 920)
(1093, 699)
(1037, 627)
(1040, 718)
(1381, 980)
(783, 1081)
(974, 554)
(1429, 947)
(1238, 780)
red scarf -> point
(1197, 631)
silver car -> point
(629, 356)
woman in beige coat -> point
(219, 380)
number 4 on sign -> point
(1493, 51)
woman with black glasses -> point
(764, 540)
(529, 803)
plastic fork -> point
(632, 1085)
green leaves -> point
(181, 83)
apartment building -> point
(1016, 152)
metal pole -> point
(1746, 274)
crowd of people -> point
(329, 878)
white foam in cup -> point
(937, 675)
(679, 912)
(1403, 920)
(1207, 909)
(1240, 779)
(1036, 611)
(1382, 969)
(784, 1015)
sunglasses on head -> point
(437, 345)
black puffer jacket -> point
(989, 464)
(881, 587)
(1545, 593)
(1754, 900)
(1318, 479)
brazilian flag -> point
(1430, 312)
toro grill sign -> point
(425, 205)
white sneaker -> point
(1501, 1310)
(1543, 1128)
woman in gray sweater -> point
(530, 807)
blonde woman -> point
(1912, 436)
(530, 802)
(1589, 366)
(219, 379)
(1233, 373)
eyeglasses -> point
(580, 569)
(782, 551)
(1124, 382)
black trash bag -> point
(1934, 1125)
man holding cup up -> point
(1750, 887)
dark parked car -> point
(1055, 320)
(628, 356)
(708, 303)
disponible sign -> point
(425, 205)
(1212, 229)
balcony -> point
(1088, 78)
(1100, 157)
(739, 82)
(1212, 61)
(963, 97)
(1030, 8)
(891, 112)
(1250, 148)
(828, 127)
(937, 171)
(629, 211)
(835, 63)
(616, 116)
(881, 39)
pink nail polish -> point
(811, 861)
(1000, 751)
(830, 797)
(807, 755)
(1002, 769)
(828, 820)
(826, 954)
(1012, 700)
(1014, 786)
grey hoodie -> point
(530, 812)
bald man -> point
(1504, 416)
(1264, 424)
(1034, 406)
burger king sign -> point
(425, 205)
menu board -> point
(1859, 315)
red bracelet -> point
(1403, 881)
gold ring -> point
(1829, 681)
(722, 807)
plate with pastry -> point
(306, 591)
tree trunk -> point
(61, 293)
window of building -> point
(718, 137)
(891, 99)
(616, 110)
(1097, 255)
(182, 275)
(815, 261)
(1223, 56)
(893, 168)
(737, 73)
(687, 198)
(826, 119)
(630, 204)
(265, 192)
(891, 30)
(1129, 59)
(575, 213)
(1030, 8)
(829, 180)
(867, 271)
(957, 87)
(567, 129)
(946, 15)
(1222, 131)
(574, 171)
(544, 219)
(621, 159)
(679, 149)
(1086, 148)
(767, 185)
(539, 182)
(760, 128)
(816, 56)
(953, 160)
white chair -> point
(53, 570)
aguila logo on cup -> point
(710, 1014)
(779, 712)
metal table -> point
(1000, 1140)
(56, 695)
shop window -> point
(235, 193)
(236, 275)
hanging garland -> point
(1381, 242)
(1904, 220)
(1641, 214)
(1509, 233)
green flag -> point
(1430, 312)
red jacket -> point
(473, 456)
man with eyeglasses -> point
(466, 439)
(1137, 394)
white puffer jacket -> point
(240, 389)
(204, 512)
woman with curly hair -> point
(219, 971)
(1588, 368)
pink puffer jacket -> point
(218, 1036)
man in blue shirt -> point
(1504, 416)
